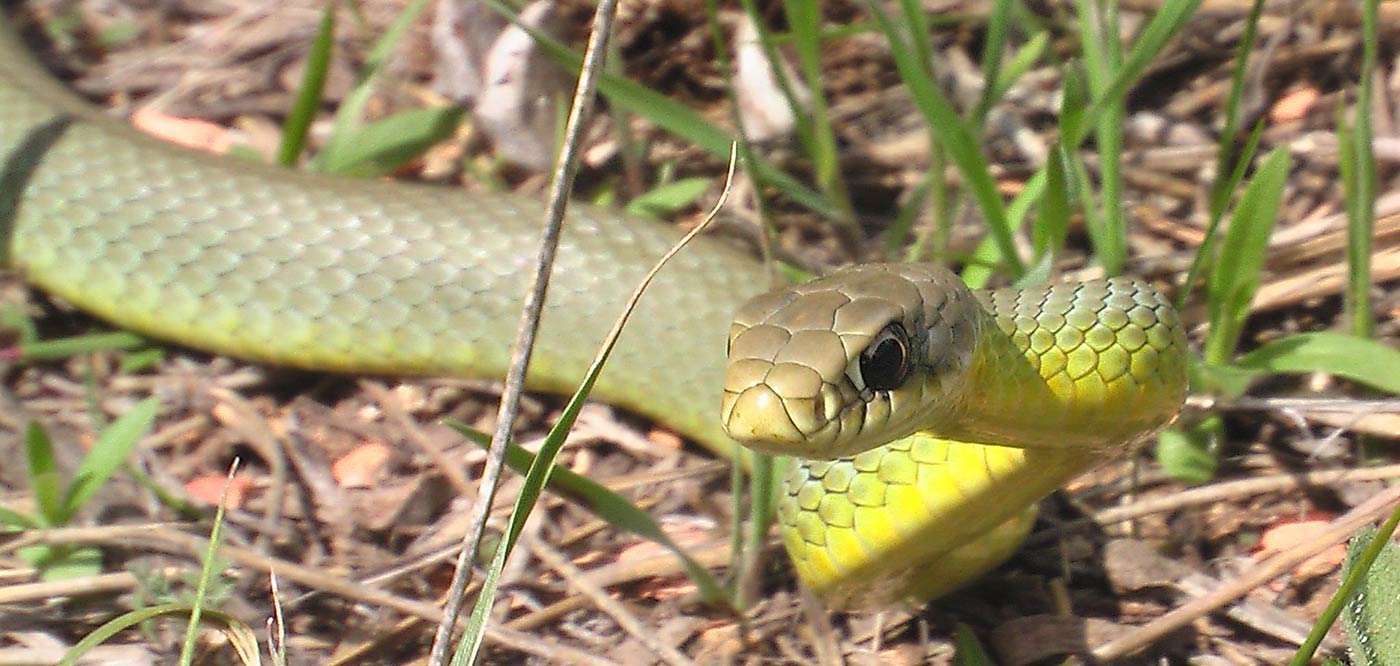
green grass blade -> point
(767, 41)
(349, 116)
(1230, 166)
(993, 48)
(1110, 232)
(1358, 359)
(53, 350)
(1371, 570)
(747, 155)
(387, 144)
(1236, 276)
(1052, 222)
(1021, 62)
(1221, 189)
(44, 480)
(536, 477)
(469, 648)
(1372, 614)
(1361, 201)
(238, 633)
(804, 21)
(208, 568)
(953, 134)
(1103, 57)
(1099, 42)
(678, 119)
(1205, 254)
(109, 452)
(684, 122)
(387, 43)
(14, 318)
(918, 24)
(1082, 185)
(970, 651)
(1074, 105)
(606, 505)
(981, 264)
(13, 521)
(1164, 25)
(899, 231)
(313, 86)
(665, 199)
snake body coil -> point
(324, 273)
(309, 271)
(948, 413)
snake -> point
(928, 418)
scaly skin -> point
(1010, 394)
(296, 269)
(301, 270)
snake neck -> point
(1101, 367)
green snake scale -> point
(1004, 396)
(315, 272)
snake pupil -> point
(884, 364)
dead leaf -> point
(209, 488)
(665, 439)
(1293, 106)
(518, 106)
(188, 132)
(361, 467)
(1290, 534)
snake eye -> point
(885, 362)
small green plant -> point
(1372, 616)
(56, 502)
(356, 147)
(208, 590)
(1368, 600)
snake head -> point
(844, 363)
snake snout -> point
(779, 408)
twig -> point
(1218, 492)
(394, 411)
(1305, 405)
(167, 539)
(579, 582)
(245, 420)
(1338, 531)
(560, 186)
(47, 591)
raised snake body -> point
(324, 273)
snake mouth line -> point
(840, 421)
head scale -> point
(851, 361)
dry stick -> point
(1220, 491)
(1306, 405)
(394, 411)
(560, 186)
(608, 575)
(437, 554)
(249, 424)
(616, 331)
(579, 582)
(1337, 531)
(1234, 489)
(1217, 492)
(167, 539)
(46, 591)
